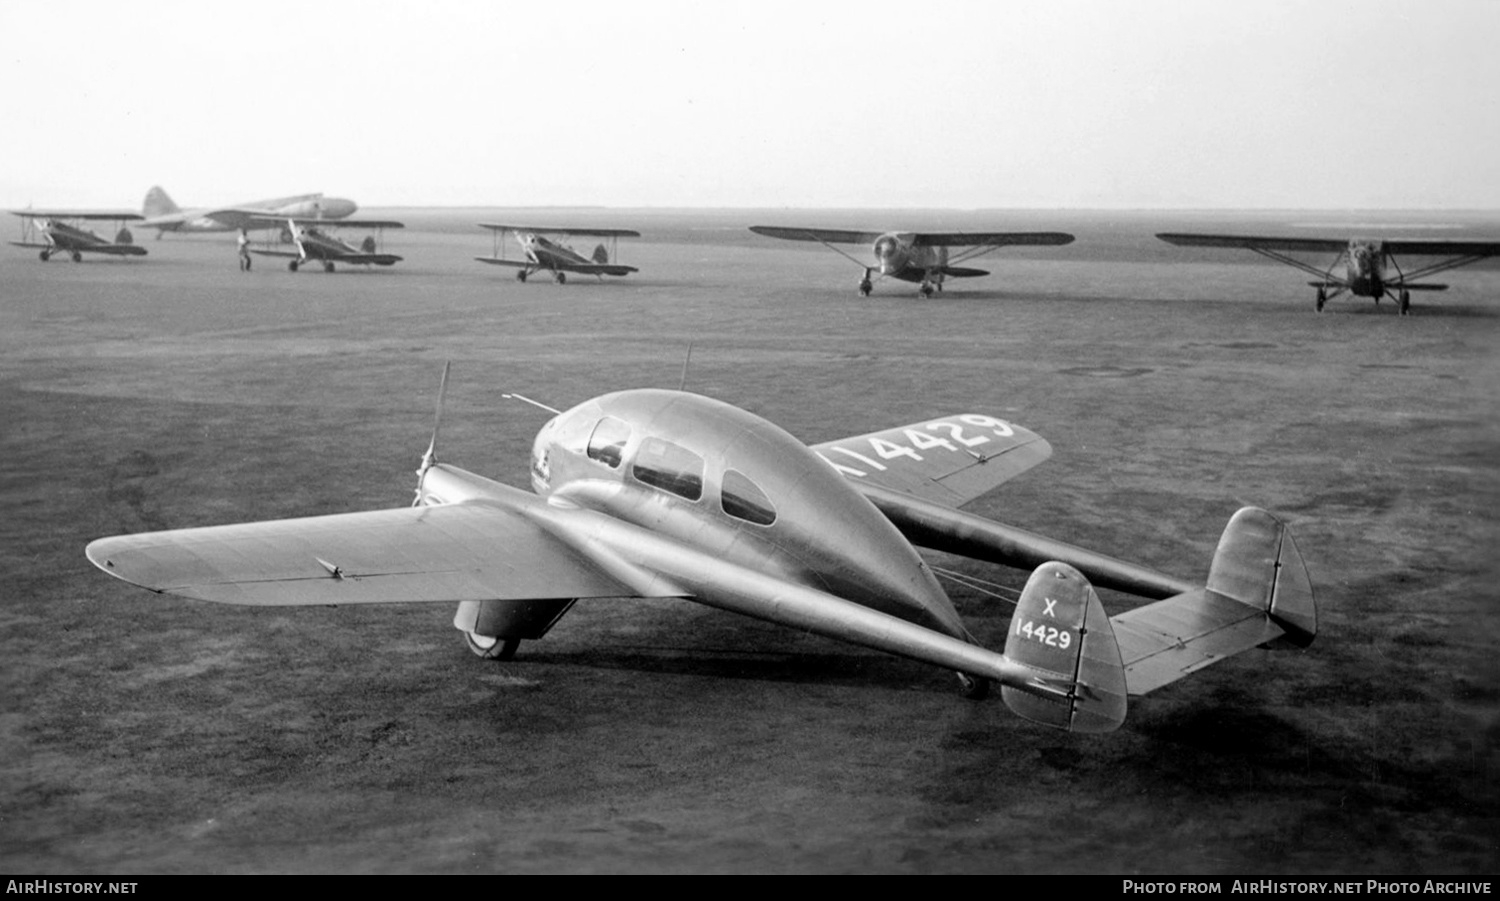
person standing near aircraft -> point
(244, 242)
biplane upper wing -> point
(251, 218)
(112, 215)
(820, 235)
(949, 460)
(479, 550)
(989, 239)
(559, 230)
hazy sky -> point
(1319, 104)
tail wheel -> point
(975, 688)
(488, 647)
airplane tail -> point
(1258, 594)
(601, 256)
(1060, 629)
(157, 203)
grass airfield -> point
(142, 733)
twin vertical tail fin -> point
(1060, 630)
(1258, 594)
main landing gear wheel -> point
(45, 255)
(292, 265)
(560, 277)
(865, 288)
(1404, 303)
(925, 290)
(77, 257)
(521, 275)
(974, 688)
(1322, 299)
(327, 266)
(487, 647)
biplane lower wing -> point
(362, 259)
(114, 250)
(584, 268)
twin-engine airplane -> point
(1367, 262)
(543, 253)
(924, 259)
(665, 494)
(165, 216)
(313, 243)
(62, 231)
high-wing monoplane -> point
(666, 494)
(540, 252)
(315, 242)
(62, 231)
(926, 259)
(1368, 262)
(165, 216)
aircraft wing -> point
(586, 269)
(559, 230)
(989, 239)
(949, 460)
(112, 215)
(472, 551)
(253, 218)
(1441, 247)
(820, 235)
(1252, 242)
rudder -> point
(157, 203)
(1257, 563)
(1060, 628)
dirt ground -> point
(149, 734)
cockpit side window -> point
(607, 443)
(743, 499)
(662, 464)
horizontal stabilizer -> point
(1258, 594)
(1059, 626)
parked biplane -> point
(924, 259)
(539, 252)
(62, 231)
(165, 216)
(314, 241)
(666, 494)
(1367, 262)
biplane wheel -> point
(561, 277)
(1322, 299)
(521, 275)
(488, 647)
(865, 288)
(925, 290)
(975, 688)
(1404, 303)
(292, 265)
(327, 265)
(45, 255)
(77, 257)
